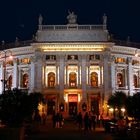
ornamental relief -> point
(129, 59)
(33, 59)
(112, 58)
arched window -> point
(120, 80)
(51, 79)
(135, 78)
(72, 79)
(9, 82)
(94, 79)
(25, 80)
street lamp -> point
(6, 53)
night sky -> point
(19, 18)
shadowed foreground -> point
(70, 131)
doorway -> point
(72, 108)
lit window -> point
(25, 80)
(120, 60)
(9, 63)
(135, 62)
(51, 79)
(25, 60)
(9, 82)
(94, 79)
(120, 81)
(72, 79)
(135, 78)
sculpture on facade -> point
(72, 18)
(40, 19)
(104, 19)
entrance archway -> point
(73, 99)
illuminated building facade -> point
(76, 67)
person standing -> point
(79, 120)
(86, 122)
(54, 119)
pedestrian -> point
(79, 120)
(94, 121)
(60, 120)
(86, 122)
(43, 117)
(90, 120)
(54, 119)
(57, 120)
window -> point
(120, 80)
(94, 57)
(94, 79)
(50, 57)
(25, 60)
(72, 79)
(72, 57)
(9, 82)
(51, 79)
(135, 62)
(135, 78)
(25, 80)
(9, 63)
(120, 60)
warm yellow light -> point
(111, 109)
(66, 97)
(79, 98)
(123, 109)
(72, 47)
(116, 109)
(11, 57)
(136, 54)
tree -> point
(133, 106)
(117, 100)
(16, 106)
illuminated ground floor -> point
(72, 101)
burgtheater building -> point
(75, 67)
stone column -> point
(79, 74)
(61, 77)
(83, 80)
(19, 78)
(130, 76)
(67, 82)
(39, 72)
(15, 74)
(113, 75)
(57, 83)
(32, 75)
(101, 82)
(1, 76)
(106, 74)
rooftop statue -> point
(104, 19)
(40, 19)
(72, 18)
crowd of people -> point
(87, 120)
(57, 119)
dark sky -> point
(19, 18)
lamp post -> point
(6, 52)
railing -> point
(71, 27)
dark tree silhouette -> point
(117, 100)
